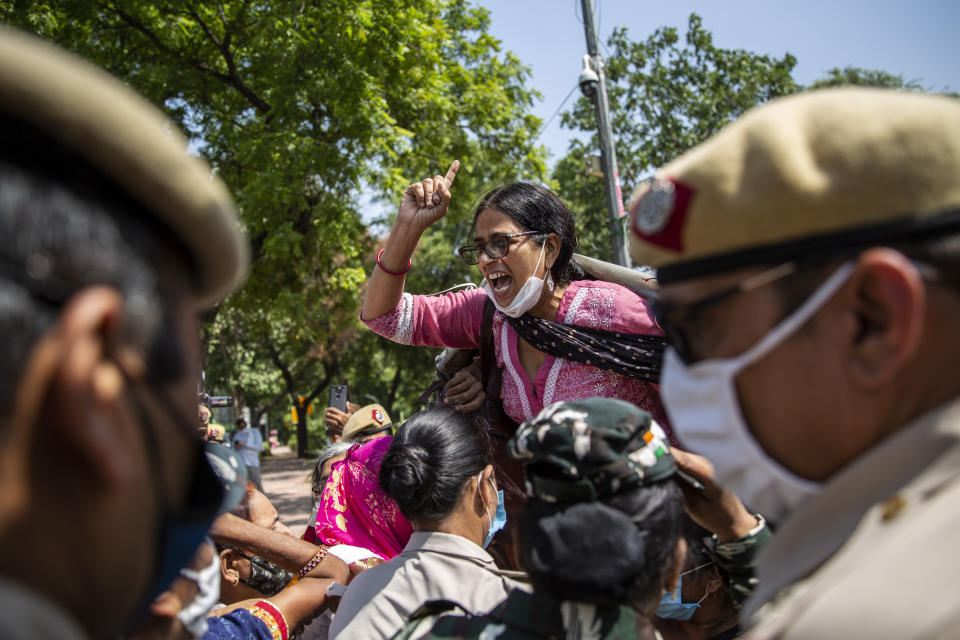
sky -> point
(917, 39)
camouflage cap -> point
(587, 449)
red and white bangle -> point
(393, 273)
(268, 614)
(314, 561)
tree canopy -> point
(308, 111)
(666, 95)
(317, 115)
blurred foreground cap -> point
(816, 172)
(366, 420)
(131, 143)
(587, 449)
(230, 471)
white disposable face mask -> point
(529, 293)
(194, 615)
(701, 400)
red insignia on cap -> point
(661, 213)
(378, 416)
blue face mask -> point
(499, 518)
(672, 606)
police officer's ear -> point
(84, 412)
(886, 308)
(23, 425)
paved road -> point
(286, 479)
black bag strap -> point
(488, 357)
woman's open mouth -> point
(499, 282)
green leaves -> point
(666, 96)
(302, 108)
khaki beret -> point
(813, 172)
(106, 124)
(371, 418)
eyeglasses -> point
(499, 247)
(673, 318)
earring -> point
(550, 283)
(236, 580)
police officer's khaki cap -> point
(366, 421)
(819, 171)
(106, 124)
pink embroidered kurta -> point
(455, 319)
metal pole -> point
(608, 154)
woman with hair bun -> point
(602, 529)
(438, 470)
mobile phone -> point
(338, 397)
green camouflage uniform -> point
(576, 451)
(580, 451)
(525, 616)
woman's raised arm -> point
(423, 204)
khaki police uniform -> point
(581, 451)
(433, 566)
(875, 554)
(829, 173)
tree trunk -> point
(301, 427)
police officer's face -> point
(117, 457)
(783, 394)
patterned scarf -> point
(631, 355)
(354, 510)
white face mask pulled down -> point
(529, 293)
(194, 615)
(701, 400)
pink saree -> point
(355, 511)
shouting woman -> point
(556, 336)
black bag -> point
(505, 548)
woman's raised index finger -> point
(452, 172)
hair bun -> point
(408, 476)
(566, 543)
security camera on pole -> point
(593, 85)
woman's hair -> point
(694, 534)
(431, 458)
(613, 552)
(536, 208)
(330, 451)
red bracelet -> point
(268, 614)
(314, 561)
(393, 273)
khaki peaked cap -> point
(130, 142)
(827, 169)
(371, 418)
